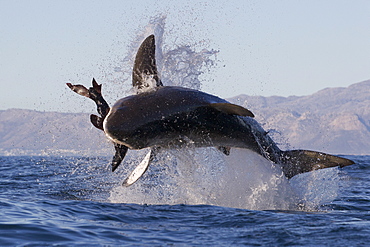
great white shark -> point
(159, 116)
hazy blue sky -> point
(266, 47)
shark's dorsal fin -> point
(145, 74)
(232, 109)
(140, 169)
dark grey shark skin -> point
(165, 117)
(176, 116)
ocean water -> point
(189, 197)
(181, 201)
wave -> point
(243, 179)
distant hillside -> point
(41, 133)
(334, 120)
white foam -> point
(316, 188)
(243, 179)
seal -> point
(160, 116)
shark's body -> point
(176, 116)
(165, 116)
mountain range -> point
(333, 120)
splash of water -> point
(316, 188)
(243, 179)
(179, 66)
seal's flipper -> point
(232, 109)
(145, 74)
(96, 86)
(300, 161)
(93, 93)
(225, 150)
(97, 121)
(140, 169)
(121, 151)
(80, 89)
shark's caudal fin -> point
(299, 161)
(145, 74)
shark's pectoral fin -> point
(121, 151)
(140, 169)
(232, 109)
(97, 121)
(299, 161)
(225, 150)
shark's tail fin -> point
(299, 161)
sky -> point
(265, 47)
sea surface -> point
(77, 201)
(188, 197)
